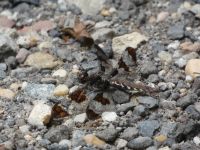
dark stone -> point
(176, 32)
(196, 84)
(11, 62)
(108, 135)
(148, 127)
(32, 2)
(187, 131)
(120, 97)
(58, 133)
(186, 100)
(193, 113)
(140, 143)
(148, 101)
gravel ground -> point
(57, 87)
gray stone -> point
(129, 133)
(77, 138)
(148, 68)
(153, 78)
(193, 113)
(140, 143)
(168, 128)
(124, 15)
(103, 34)
(187, 100)
(126, 107)
(2, 74)
(148, 101)
(3, 66)
(140, 110)
(108, 135)
(148, 127)
(176, 31)
(120, 97)
(58, 133)
(39, 91)
(90, 65)
(196, 9)
(22, 72)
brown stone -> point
(44, 25)
(189, 46)
(6, 23)
(193, 68)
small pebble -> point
(109, 116)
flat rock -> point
(148, 101)
(61, 90)
(120, 43)
(109, 116)
(58, 133)
(88, 7)
(148, 127)
(41, 60)
(40, 114)
(148, 68)
(108, 134)
(129, 133)
(39, 91)
(6, 93)
(140, 143)
(43, 25)
(193, 68)
(176, 31)
(92, 139)
(120, 97)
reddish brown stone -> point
(5, 22)
(45, 25)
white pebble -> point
(40, 114)
(109, 116)
(60, 73)
(81, 118)
(196, 140)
